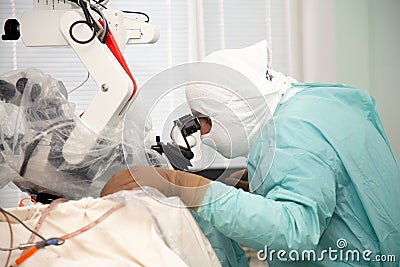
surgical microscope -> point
(96, 33)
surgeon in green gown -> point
(323, 183)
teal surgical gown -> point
(333, 187)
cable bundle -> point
(99, 28)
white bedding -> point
(144, 232)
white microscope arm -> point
(105, 63)
(115, 89)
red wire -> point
(11, 238)
(94, 223)
(31, 251)
(28, 253)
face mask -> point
(224, 136)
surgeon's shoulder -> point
(321, 97)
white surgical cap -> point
(238, 114)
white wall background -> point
(368, 56)
(385, 65)
(352, 42)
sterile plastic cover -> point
(36, 120)
(144, 232)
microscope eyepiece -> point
(188, 124)
(11, 30)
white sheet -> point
(144, 232)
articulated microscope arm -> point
(60, 24)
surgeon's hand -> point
(239, 179)
(121, 181)
(189, 187)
